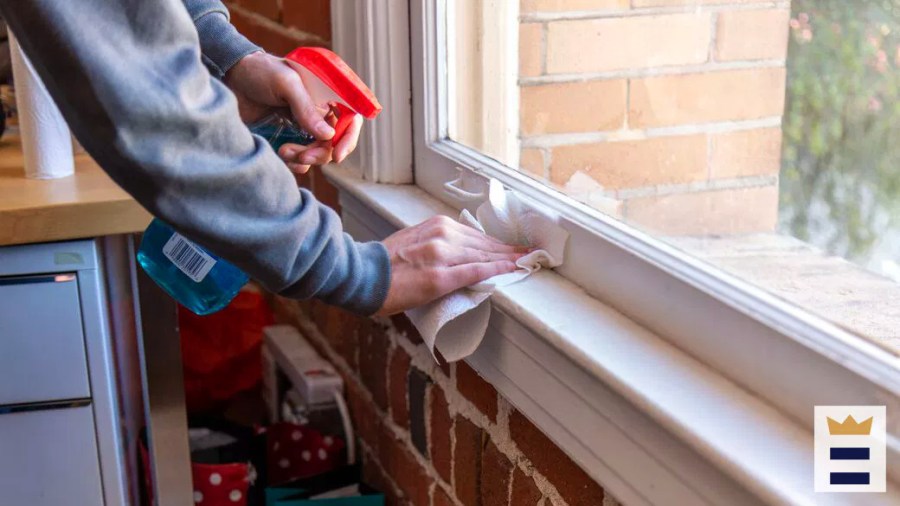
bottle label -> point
(188, 257)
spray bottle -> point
(198, 278)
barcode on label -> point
(189, 258)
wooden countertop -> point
(86, 204)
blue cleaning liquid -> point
(194, 276)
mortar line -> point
(569, 139)
(533, 17)
(544, 38)
(649, 72)
(713, 37)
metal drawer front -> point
(49, 458)
(42, 354)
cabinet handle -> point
(43, 406)
(43, 278)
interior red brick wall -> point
(435, 434)
(429, 434)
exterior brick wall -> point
(673, 107)
(430, 434)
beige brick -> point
(689, 3)
(720, 212)
(531, 160)
(745, 153)
(530, 51)
(633, 164)
(699, 98)
(599, 45)
(571, 5)
(573, 107)
(752, 35)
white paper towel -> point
(456, 323)
(46, 141)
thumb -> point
(306, 112)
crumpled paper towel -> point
(46, 141)
(456, 323)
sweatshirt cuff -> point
(221, 45)
(366, 294)
(351, 275)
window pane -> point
(764, 138)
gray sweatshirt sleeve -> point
(221, 45)
(128, 78)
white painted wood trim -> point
(649, 421)
(372, 36)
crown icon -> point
(849, 427)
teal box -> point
(363, 500)
(275, 495)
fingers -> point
(486, 243)
(298, 157)
(489, 242)
(470, 231)
(441, 254)
(308, 116)
(464, 255)
(290, 154)
(348, 142)
(456, 277)
(454, 232)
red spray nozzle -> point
(329, 79)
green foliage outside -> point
(840, 178)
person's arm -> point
(221, 45)
(128, 78)
(261, 81)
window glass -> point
(763, 137)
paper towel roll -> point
(46, 141)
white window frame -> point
(644, 432)
(372, 36)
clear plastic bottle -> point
(194, 276)
(279, 129)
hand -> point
(261, 82)
(439, 256)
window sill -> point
(648, 421)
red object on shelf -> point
(214, 484)
(220, 484)
(295, 451)
(221, 351)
